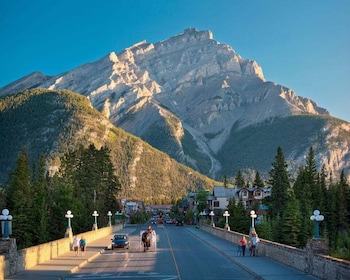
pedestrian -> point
(82, 244)
(149, 229)
(76, 243)
(243, 244)
(254, 244)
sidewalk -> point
(259, 266)
(61, 267)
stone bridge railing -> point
(13, 261)
(306, 260)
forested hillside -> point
(53, 123)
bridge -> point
(52, 261)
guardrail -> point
(306, 260)
(13, 261)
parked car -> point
(120, 241)
(168, 221)
(179, 223)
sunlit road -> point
(179, 255)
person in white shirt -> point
(76, 244)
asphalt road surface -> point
(178, 255)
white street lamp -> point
(95, 214)
(317, 218)
(211, 214)
(109, 214)
(226, 215)
(253, 216)
(118, 216)
(6, 223)
(69, 216)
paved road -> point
(179, 255)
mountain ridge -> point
(190, 90)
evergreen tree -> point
(265, 229)
(302, 193)
(239, 219)
(258, 181)
(96, 186)
(331, 216)
(279, 181)
(341, 204)
(291, 222)
(311, 180)
(109, 184)
(62, 201)
(19, 202)
(240, 180)
(225, 181)
(40, 204)
(322, 185)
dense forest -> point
(292, 203)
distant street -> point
(179, 255)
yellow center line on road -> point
(172, 253)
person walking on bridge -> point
(76, 244)
(243, 243)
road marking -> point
(172, 254)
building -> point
(221, 196)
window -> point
(257, 193)
(216, 203)
(244, 194)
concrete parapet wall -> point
(13, 261)
(321, 266)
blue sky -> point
(301, 44)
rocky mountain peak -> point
(189, 85)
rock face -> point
(187, 95)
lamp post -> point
(109, 214)
(317, 218)
(94, 226)
(6, 223)
(211, 214)
(202, 214)
(226, 215)
(69, 232)
(253, 216)
(118, 216)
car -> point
(179, 223)
(120, 241)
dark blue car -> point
(120, 241)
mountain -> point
(53, 122)
(197, 100)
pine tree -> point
(19, 202)
(291, 222)
(62, 201)
(341, 204)
(311, 180)
(265, 229)
(258, 181)
(240, 180)
(96, 186)
(279, 181)
(40, 204)
(239, 219)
